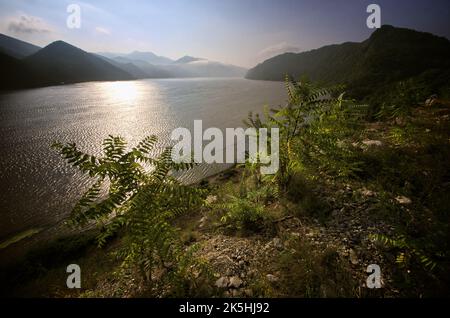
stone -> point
(248, 292)
(403, 200)
(222, 282)
(202, 221)
(353, 258)
(235, 282)
(369, 143)
(210, 199)
(367, 193)
(277, 243)
(272, 278)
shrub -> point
(140, 201)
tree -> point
(141, 197)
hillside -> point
(16, 48)
(186, 66)
(149, 70)
(148, 57)
(187, 59)
(60, 62)
(126, 66)
(390, 55)
(349, 192)
(19, 75)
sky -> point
(239, 32)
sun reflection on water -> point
(125, 93)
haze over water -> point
(39, 189)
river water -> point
(38, 189)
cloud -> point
(103, 31)
(277, 49)
(27, 24)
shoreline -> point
(17, 250)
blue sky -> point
(241, 32)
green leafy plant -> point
(408, 251)
(291, 120)
(247, 209)
(315, 127)
(141, 198)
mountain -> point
(187, 66)
(16, 48)
(187, 59)
(19, 76)
(205, 68)
(60, 62)
(389, 55)
(148, 57)
(126, 66)
(150, 70)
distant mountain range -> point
(148, 57)
(155, 66)
(388, 56)
(28, 65)
(369, 69)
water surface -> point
(38, 189)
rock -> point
(369, 143)
(210, 199)
(367, 193)
(236, 293)
(235, 282)
(277, 243)
(248, 292)
(202, 221)
(353, 257)
(222, 282)
(272, 278)
(431, 100)
(403, 200)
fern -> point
(408, 251)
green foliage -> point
(141, 198)
(315, 127)
(408, 252)
(247, 210)
(291, 120)
(399, 103)
(327, 141)
(309, 272)
(304, 192)
(371, 69)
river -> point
(38, 189)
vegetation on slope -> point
(349, 193)
(371, 69)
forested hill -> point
(375, 65)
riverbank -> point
(315, 239)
